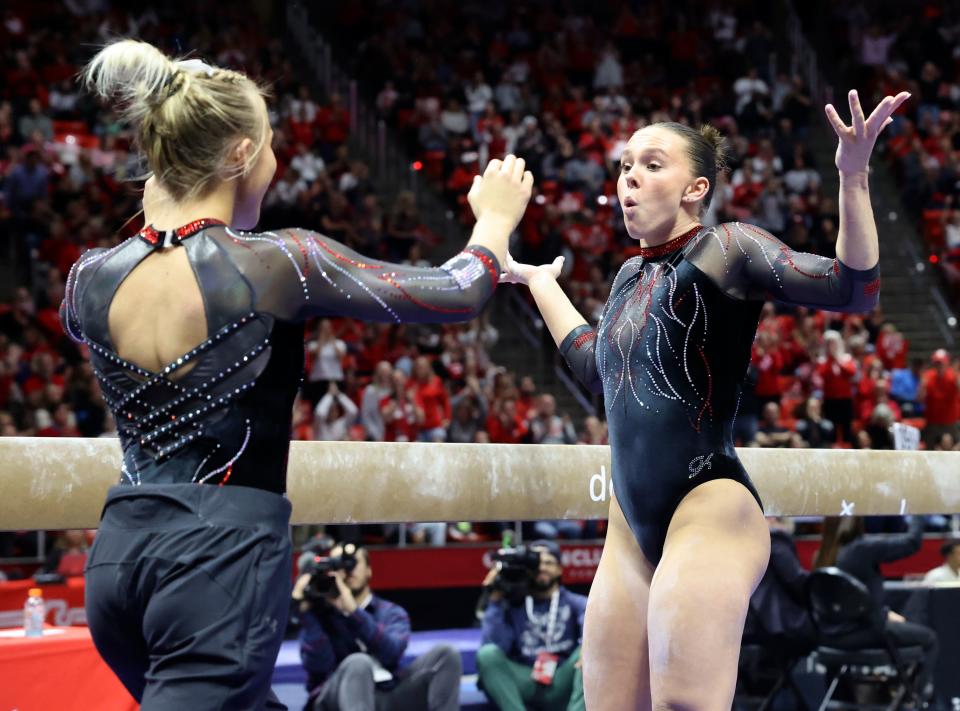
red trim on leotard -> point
(583, 339)
(671, 246)
(487, 262)
(152, 236)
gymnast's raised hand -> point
(857, 140)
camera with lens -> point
(518, 567)
(322, 586)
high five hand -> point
(857, 140)
(503, 191)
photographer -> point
(532, 627)
(351, 642)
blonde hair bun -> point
(135, 74)
(188, 115)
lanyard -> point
(551, 615)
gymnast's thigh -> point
(716, 550)
(615, 629)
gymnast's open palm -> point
(857, 140)
(517, 273)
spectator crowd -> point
(564, 89)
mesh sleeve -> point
(297, 274)
(73, 292)
(579, 350)
(747, 262)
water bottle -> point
(34, 612)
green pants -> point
(510, 687)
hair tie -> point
(197, 66)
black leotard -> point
(672, 347)
(228, 420)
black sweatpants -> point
(187, 594)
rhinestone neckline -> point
(154, 237)
(671, 246)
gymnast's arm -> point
(747, 262)
(297, 274)
(857, 244)
(571, 332)
(757, 262)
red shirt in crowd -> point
(333, 124)
(510, 432)
(867, 407)
(768, 368)
(837, 377)
(433, 399)
(35, 383)
(866, 393)
(892, 349)
(301, 132)
(401, 425)
(942, 399)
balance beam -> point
(57, 483)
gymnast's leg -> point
(615, 658)
(716, 551)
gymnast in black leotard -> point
(687, 540)
(672, 348)
(195, 333)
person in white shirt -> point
(608, 71)
(303, 105)
(949, 572)
(454, 119)
(951, 225)
(801, 178)
(478, 94)
(328, 352)
(334, 415)
(746, 86)
(288, 188)
(307, 163)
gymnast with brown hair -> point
(687, 540)
(195, 331)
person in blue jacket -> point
(530, 656)
(351, 644)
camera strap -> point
(551, 618)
